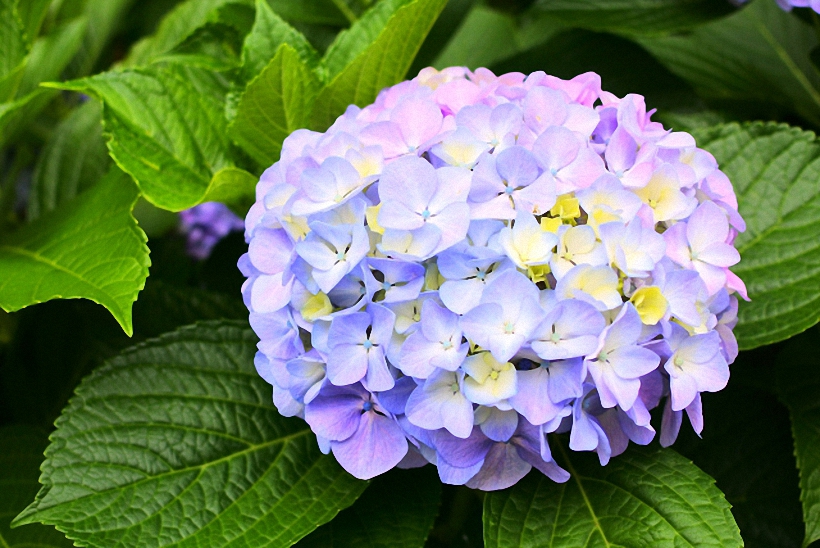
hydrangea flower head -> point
(475, 261)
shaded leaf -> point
(761, 53)
(396, 511)
(21, 452)
(32, 13)
(13, 49)
(315, 12)
(798, 382)
(177, 26)
(184, 425)
(90, 248)
(166, 128)
(634, 16)
(51, 54)
(275, 104)
(747, 447)
(74, 158)
(645, 497)
(373, 54)
(774, 169)
(487, 36)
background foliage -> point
(114, 114)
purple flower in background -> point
(205, 224)
(475, 262)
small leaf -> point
(798, 382)
(761, 53)
(176, 443)
(233, 187)
(74, 158)
(90, 248)
(372, 55)
(166, 129)
(645, 497)
(315, 12)
(275, 104)
(180, 24)
(21, 452)
(268, 34)
(396, 511)
(774, 169)
(634, 16)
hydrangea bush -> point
(485, 300)
(475, 261)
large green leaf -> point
(74, 158)
(21, 452)
(176, 443)
(798, 381)
(634, 16)
(373, 54)
(774, 169)
(90, 248)
(645, 497)
(275, 104)
(761, 53)
(166, 128)
(396, 511)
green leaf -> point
(178, 26)
(487, 36)
(74, 158)
(176, 443)
(90, 248)
(645, 497)
(774, 169)
(759, 54)
(634, 16)
(396, 511)
(21, 452)
(275, 104)
(166, 128)
(375, 53)
(798, 382)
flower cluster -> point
(475, 261)
(788, 5)
(204, 225)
